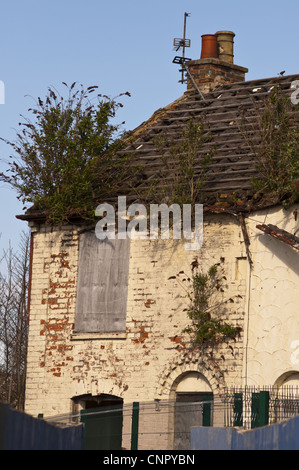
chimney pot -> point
(215, 67)
(209, 48)
(225, 41)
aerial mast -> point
(182, 43)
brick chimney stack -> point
(216, 64)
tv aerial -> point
(182, 43)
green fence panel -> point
(238, 409)
(102, 428)
(260, 409)
(135, 426)
(255, 410)
(264, 400)
(206, 417)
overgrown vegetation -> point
(272, 134)
(65, 161)
(207, 307)
(183, 173)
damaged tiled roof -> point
(228, 185)
(233, 165)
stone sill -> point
(98, 336)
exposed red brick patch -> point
(176, 339)
(60, 255)
(143, 336)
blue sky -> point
(125, 46)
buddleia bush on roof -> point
(64, 159)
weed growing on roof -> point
(183, 173)
(65, 160)
(273, 137)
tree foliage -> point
(184, 170)
(65, 160)
(13, 323)
(273, 137)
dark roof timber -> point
(280, 234)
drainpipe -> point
(30, 277)
(246, 322)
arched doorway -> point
(286, 395)
(289, 381)
(102, 416)
(193, 406)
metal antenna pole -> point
(184, 41)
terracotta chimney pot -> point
(209, 48)
(215, 67)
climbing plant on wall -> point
(207, 307)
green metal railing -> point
(251, 407)
(165, 424)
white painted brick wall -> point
(143, 366)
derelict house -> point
(107, 319)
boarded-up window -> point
(102, 284)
